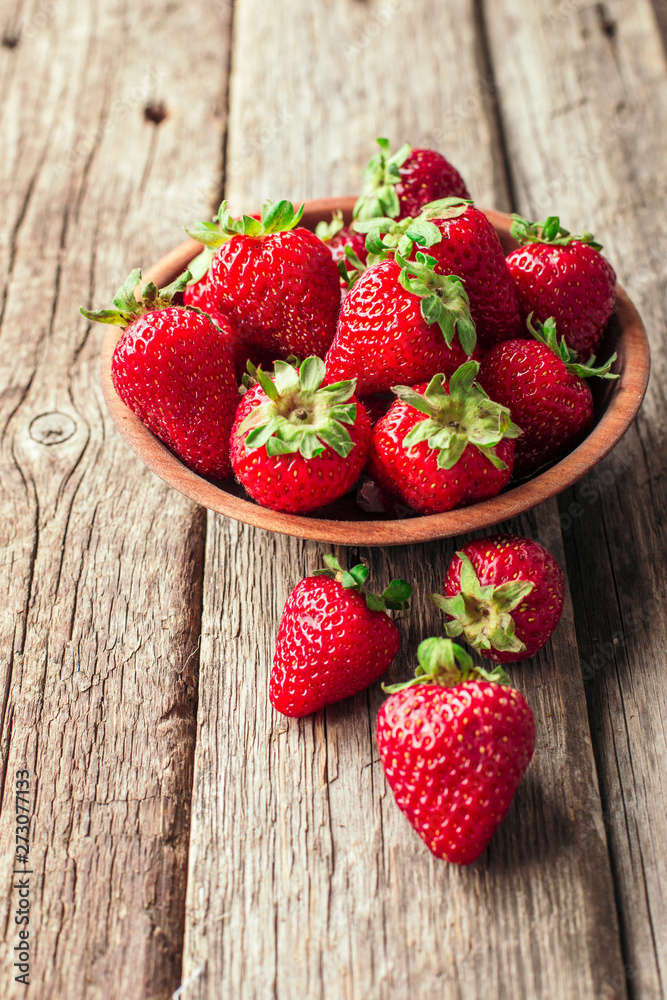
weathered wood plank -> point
(103, 564)
(593, 78)
(305, 880)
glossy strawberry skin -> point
(511, 557)
(551, 404)
(412, 476)
(292, 483)
(454, 758)
(174, 370)
(329, 647)
(470, 248)
(382, 339)
(427, 176)
(347, 237)
(281, 291)
(573, 283)
(196, 294)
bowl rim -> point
(624, 403)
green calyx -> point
(395, 597)
(127, 307)
(444, 299)
(482, 614)
(546, 334)
(385, 235)
(350, 267)
(327, 230)
(382, 174)
(550, 231)
(301, 415)
(277, 217)
(456, 419)
(443, 662)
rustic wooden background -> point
(181, 830)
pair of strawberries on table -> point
(456, 740)
(432, 298)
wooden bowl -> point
(344, 523)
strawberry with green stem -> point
(442, 445)
(546, 391)
(298, 444)
(398, 184)
(504, 594)
(401, 322)
(563, 276)
(334, 638)
(274, 280)
(455, 743)
(173, 368)
(462, 241)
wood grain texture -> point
(102, 564)
(305, 880)
(590, 80)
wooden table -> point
(180, 829)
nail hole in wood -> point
(155, 113)
(10, 40)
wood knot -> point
(155, 113)
(52, 428)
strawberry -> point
(463, 242)
(276, 283)
(334, 639)
(289, 446)
(398, 323)
(455, 743)
(565, 277)
(398, 185)
(172, 366)
(440, 447)
(544, 388)
(491, 577)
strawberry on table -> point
(504, 594)
(455, 743)
(277, 283)
(544, 387)
(398, 185)
(565, 277)
(296, 444)
(334, 638)
(173, 367)
(401, 322)
(338, 238)
(443, 446)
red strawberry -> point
(398, 185)
(565, 277)
(173, 368)
(289, 446)
(543, 387)
(462, 242)
(277, 284)
(455, 744)
(491, 577)
(440, 447)
(334, 639)
(397, 324)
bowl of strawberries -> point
(384, 370)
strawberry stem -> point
(445, 663)
(396, 596)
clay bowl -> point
(344, 523)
